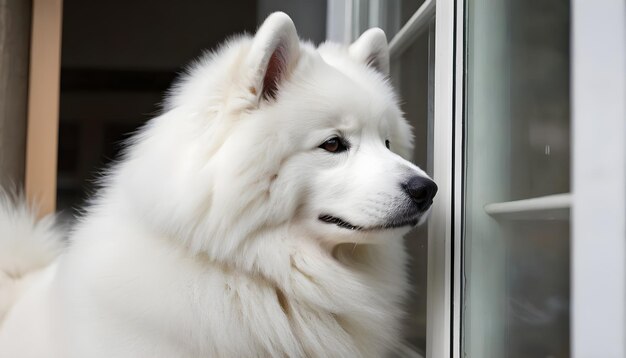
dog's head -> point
(270, 131)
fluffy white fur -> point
(205, 240)
(26, 247)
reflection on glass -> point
(389, 15)
(537, 287)
(539, 97)
(516, 272)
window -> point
(516, 237)
(519, 111)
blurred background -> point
(118, 59)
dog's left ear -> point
(372, 49)
(273, 54)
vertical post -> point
(43, 105)
(599, 179)
(459, 177)
(440, 233)
(431, 98)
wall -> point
(14, 52)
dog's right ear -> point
(274, 52)
(371, 48)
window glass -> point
(389, 15)
(516, 268)
(410, 75)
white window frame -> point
(442, 225)
(599, 179)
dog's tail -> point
(27, 245)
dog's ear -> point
(372, 49)
(273, 54)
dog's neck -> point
(328, 301)
(349, 289)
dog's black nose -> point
(422, 190)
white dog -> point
(261, 215)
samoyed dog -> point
(261, 215)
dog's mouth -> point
(393, 224)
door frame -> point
(43, 106)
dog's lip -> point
(330, 219)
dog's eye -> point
(387, 143)
(334, 145)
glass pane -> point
(410, 76)
(400, 11)
(516, 288)
(389, 15)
